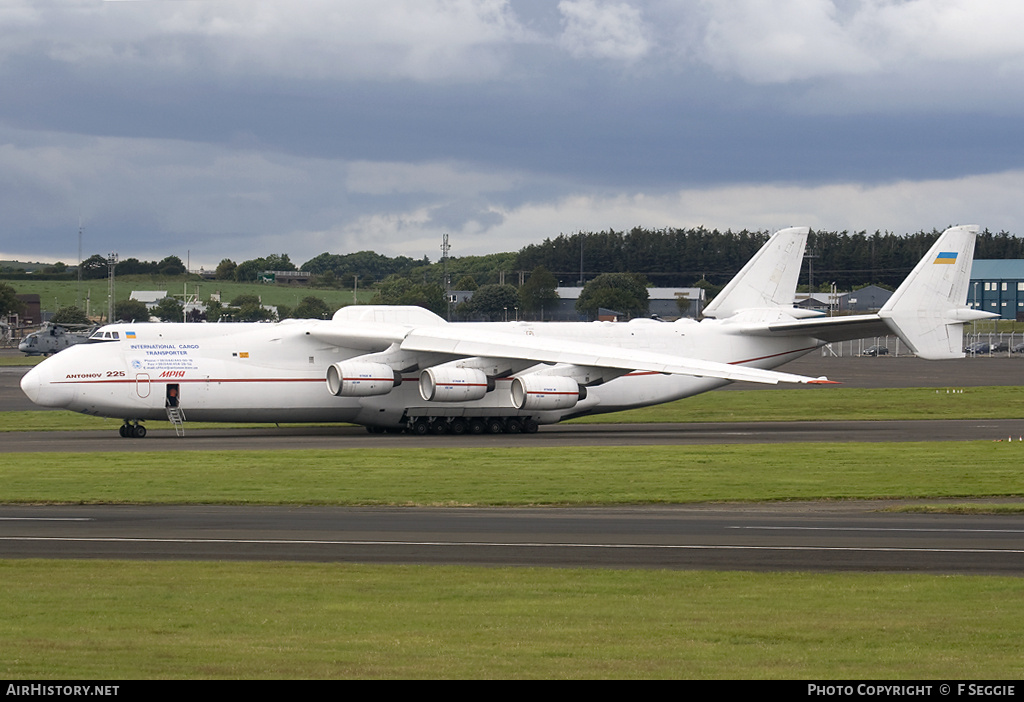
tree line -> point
(523, 282)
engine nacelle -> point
(450, 384)
(360, 379)
(545, 392)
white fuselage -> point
(250, 372)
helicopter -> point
(52, 338)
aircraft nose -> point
(30, 384)
(36, 385)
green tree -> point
(395, 290)
(214, 310)
(246, 299)
(171, 265)
(70, 315)
(94, 267)
(312, 307)
(254, 313)
(278, 262)
(226, 269)
(495, 303)
(169, 310)
(466, 282)
(245, 308)
(622, 292)
(539, 292)
(9, 302)
(131, 310)
(249, 271)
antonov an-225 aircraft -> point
(404, 368)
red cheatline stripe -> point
(190, 380)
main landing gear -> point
(421, 426)
(131, 429)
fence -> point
(976, 343)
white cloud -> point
(603, 30)
(420, 39)
(901, 207)
(775, 41)
(769, 41)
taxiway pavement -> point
(842, 536)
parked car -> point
(999, 346)
(876, 350)
(977, 347)
(1018, 348)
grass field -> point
(130, 620)
(520, 476)
(54, 294)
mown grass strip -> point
(831, 403)
(521, 476)
(156, 620)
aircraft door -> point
(142, 385)
(173, 395)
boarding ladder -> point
(176, 417)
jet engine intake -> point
(546, 392)
(450, 384)
(360, 379)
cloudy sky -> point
(239, 128)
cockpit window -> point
(103, 336)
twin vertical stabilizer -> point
(769, 278)
(928, 310)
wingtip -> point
(823, 381)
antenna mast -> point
(78, 295)
(445, 248)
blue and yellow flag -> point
(946, 257)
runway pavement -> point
(805, 536)
(559, 435)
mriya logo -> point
(173, 374)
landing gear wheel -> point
(514, 426)
(495, 426)
(477, 426)
(458, 426)
(439, 426)
(421, 427)
(140, 432)
(530, 426)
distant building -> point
(31, 313)
(998, 286)
(870, 298)
(666, 303)
(148, 297)
(286, 277)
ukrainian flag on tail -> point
(945, 257)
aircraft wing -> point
(462, 341)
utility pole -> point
(111, 265)
(78, 295)
(445, 248)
